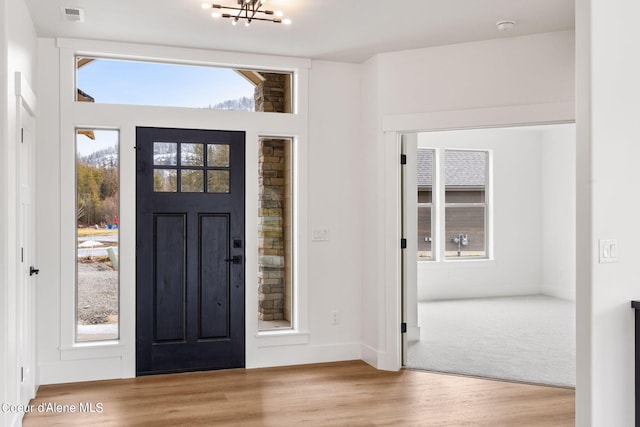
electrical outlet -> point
(335, 317)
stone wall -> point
(272, 265)
(274, 93)
(274, 287)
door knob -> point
(237, 259)
(33, 270)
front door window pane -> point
(191, 155)
(218, 181)
(192, 181)
(165, 180)
(218, 155)
(165, 153)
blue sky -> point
(104, 139)
(147, 83)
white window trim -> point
(75, 114)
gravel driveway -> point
(97, 293)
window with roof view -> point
(425, 203)
(463, 189)
(465, 203)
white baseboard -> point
(413, 333)
(370, 355)
(71, 371)
(559, 292)
(15, 419)
(266, 357)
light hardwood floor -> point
(344, 393)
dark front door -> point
(190, 250)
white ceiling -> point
(339, 30)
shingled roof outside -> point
(464, 168)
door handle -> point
(236, 259)
(33, 270)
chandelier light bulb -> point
(286, 21)
(206, 5)
(278, 13)
(216, 14)
(234, 21)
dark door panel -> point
(190, 233)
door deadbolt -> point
(237, 259)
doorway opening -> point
(510, 314)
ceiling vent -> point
(73, 14)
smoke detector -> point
(73, 14)
(505, 25)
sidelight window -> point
(97, 235)
(275, 227)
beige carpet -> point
(529, 339)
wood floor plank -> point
(332, 394)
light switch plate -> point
(320, 234)
(608, 251)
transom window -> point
(117, 81)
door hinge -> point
(403, 159)
(403, 327)
(21, 135)
(403, 243)
(21, 254)
(21, 374)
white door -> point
(26, 274)
(409, 193)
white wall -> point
(515, 202)
(18, 43)
(328, 273)
(559, 211)
(5, 225)
(608, 152)
(480, 83)
(335, 266)
(373, 313)
(535, 69)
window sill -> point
(481, 260)
(282, 338)
(90, 350)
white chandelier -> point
(249, 10)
